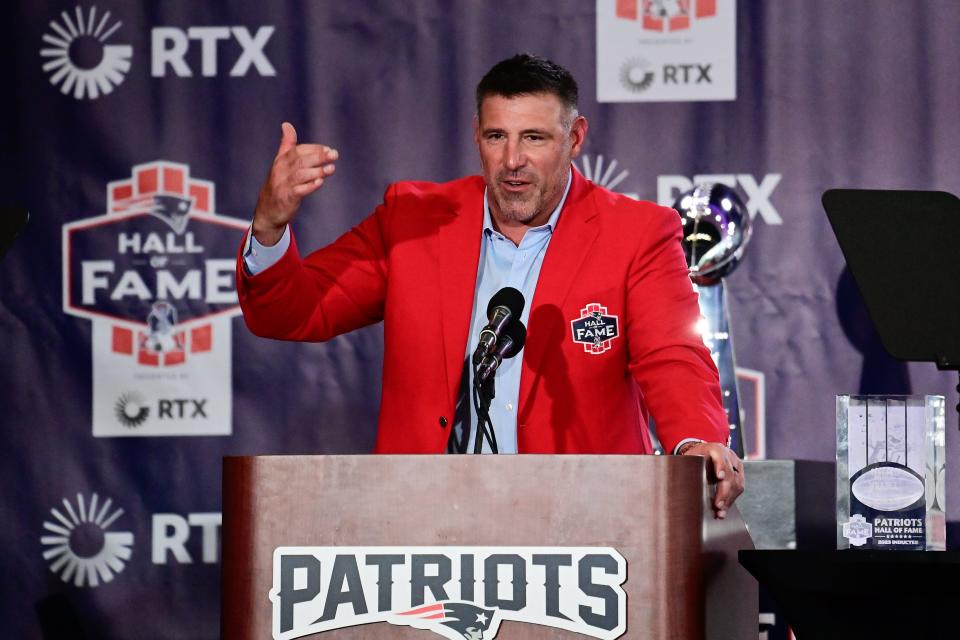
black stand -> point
(901, 250)
(483, 395)
(849, 595)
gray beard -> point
(512, 214)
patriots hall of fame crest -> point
(154, 274)
(595, 329)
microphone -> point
(509, 345)
(505, 306)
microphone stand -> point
(482, 397)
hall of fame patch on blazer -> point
(594, 329)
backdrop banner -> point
(138, 133)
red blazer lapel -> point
(571, 243)
(458, 251)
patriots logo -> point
(453, 620)
(174, 210)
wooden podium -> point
(682, 577)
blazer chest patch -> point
(594, 329)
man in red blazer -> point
(611, 326)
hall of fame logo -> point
(857, 530)
(594, 329)
(154, 274)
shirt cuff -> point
(685, 441)
(258, 258)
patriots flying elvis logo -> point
(463, 619)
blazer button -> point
(443, 421)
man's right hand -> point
(298, 170)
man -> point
(610, 312)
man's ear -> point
(476, 129)
(578, 135)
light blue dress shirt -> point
(503, 264)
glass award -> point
(890, 473)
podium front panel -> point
(649, 509)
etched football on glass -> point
(888, 488)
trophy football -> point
(716, 230)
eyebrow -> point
(542, 132)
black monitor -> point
(903, 250)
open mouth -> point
(515, 185)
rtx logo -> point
(79, 544)
(82, 546)
(638, 75)
(687, 74)
(77, 55)
(169, 47)
(132, 411)
(172, 534)
(669, 188)
(81, 60)
(179, 408)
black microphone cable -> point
(481, 405)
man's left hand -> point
(728, 470)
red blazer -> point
(413, 264)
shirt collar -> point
(550, 224)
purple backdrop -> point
(830, 94)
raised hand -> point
(297, 171)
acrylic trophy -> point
(890, 473)
(716, 230)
